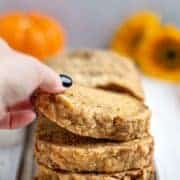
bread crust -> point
(96, 113)
(57, 148)
(100, 69)
(139, 174)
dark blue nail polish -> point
(66, 80)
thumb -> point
(52, 82)
(3, 110)
(4, 47)
(17, 119)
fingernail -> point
(66, 80)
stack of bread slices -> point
(99, 128)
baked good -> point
(57, 148)
(96, 113)
(139, 174)
(100, 69)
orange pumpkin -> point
(32, 33)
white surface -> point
(11, 137)
(164, 100)
(10, 152)
(9, 160)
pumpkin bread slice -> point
(59, 149)
(96, 113)
(100, 69)
(45, 173)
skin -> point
(20, 77)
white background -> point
(164, 101)
(90, 23)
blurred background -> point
(92, 24)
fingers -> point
(4, 47)
(51, 82)
(23, 105)
(17, 119)
(3, 110)
(18, 115)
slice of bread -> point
(139, 174)
(100, 69)
(96, 113)
(59, 149)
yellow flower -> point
(132, 33)
(160, 54)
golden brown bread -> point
(96, 113)
(100, 69)
(59, 149)
(139, 174)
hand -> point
(20, 76)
